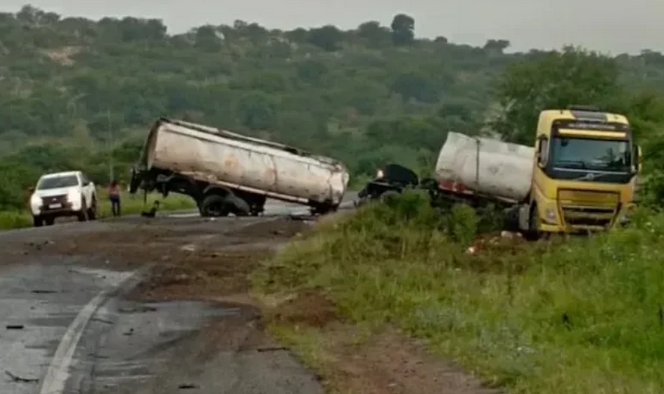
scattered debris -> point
(43, 291)
(272, 349)
(97, 319)
(14, 326)
(19, 379)
(128, 333)
(188, 386)
(138, 309)
(189, 248)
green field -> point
(554, 317)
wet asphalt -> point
(68, 328)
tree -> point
(571, 76)
(327, 37)
(496, 46)
(373, 34)
(403, 29)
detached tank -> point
(249, 168)
(486, 166)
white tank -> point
(236, 161)
(487, 166)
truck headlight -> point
(550, 215)
(380, 174)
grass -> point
(131, 204)
(580, 316)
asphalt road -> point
(69, 326)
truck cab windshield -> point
(57, 182)
(591, 154)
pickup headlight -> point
(74, 196)
(35, 200)
(380, 174)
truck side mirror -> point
(638, 158)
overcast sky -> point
(614, 26)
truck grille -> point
(577, 216)
(585, 209)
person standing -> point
(114, 196)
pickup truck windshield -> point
(57, 182)
(589, 154)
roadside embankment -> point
(367, 299)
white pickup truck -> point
(63, 194)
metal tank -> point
(250, 164)
(487, 166)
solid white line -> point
(58, 370)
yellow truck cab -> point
(584, 172)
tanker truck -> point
(580, 176)
(228, 173)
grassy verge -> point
(580, 316)
(131, 204)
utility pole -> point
(110, 148)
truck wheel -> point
(533, 233)
(37, 221)
(214, 206)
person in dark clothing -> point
(114, 196)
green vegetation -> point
(576, 316)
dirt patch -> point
(310, 308)
(356, 361)
(389, 363)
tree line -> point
(81, 93)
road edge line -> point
(57, 373)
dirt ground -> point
(203, 262)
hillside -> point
(364, 96)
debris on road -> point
(14, 326)
(188, 386)
(19, 379)
(37, 291)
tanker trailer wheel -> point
(214, 206)
(238, 206)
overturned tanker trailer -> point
(469, 169)
(227, 173)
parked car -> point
(63, 194)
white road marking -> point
(58, 370)
(183, 215)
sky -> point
(610, 26)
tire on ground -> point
(37, 221)
(240, 207)
(214, 205)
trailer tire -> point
(214, 205)
(240, 207)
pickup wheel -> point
(49, 220)
(92, 212)
(83, 214)
(37, 221)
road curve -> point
(71, 323)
